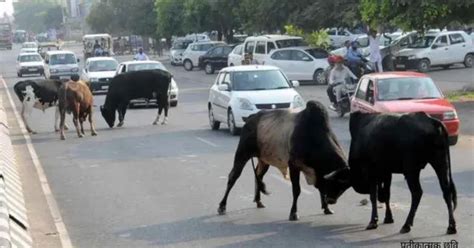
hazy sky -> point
(6, 7)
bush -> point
(315, 39)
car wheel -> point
(188, 65)
(173, 63)
(209, 69)
(231, 64)
(453, 140)
(174, 104)
(445, 67)
(318, 77)
(424, 65)
(231, 123)
(19, 74)
(468, 60)
(212, 122)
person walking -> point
(140, 55)
(374, 48)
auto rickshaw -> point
(43, 47)
(105, 42)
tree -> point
(417, 15)
(37, 16)
(170, 18)
(102, 19)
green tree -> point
(170, 18)
(37, 16)
(102, 18)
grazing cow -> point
(77, 98)
(383, 144)
(302, 142)
(133, 85)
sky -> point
(6, 7)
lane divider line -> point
(206, 142)
(52, 204)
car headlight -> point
(245, 104)
(174, 86)
(53, 70)
(412, 57)
(298, 102)
(94, 80)
(450, 115)
(75, 69)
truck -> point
(6, 39)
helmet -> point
(338, 59)
(331, 59)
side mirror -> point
(223, 87)
(78, 60)
(295, 83)
(434, 46)
(46, 61)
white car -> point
(29, 50)
(437, 49)
(300, 63)
(261, 46)
(99, 71)
(60, 65)
(363, 44)
(240, 91)
(29, 63)
(235, 57)
(30, 45)
(195, 50)
(148, 65)
(340, 35)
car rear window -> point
(30, 58)
(145, 66)
(318, 53)
(290, 43)
(62, 59)
(406, 89)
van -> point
(437, 49)
(260, 46)
(60, 65)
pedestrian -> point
(347, 46)
(374, 48)
(140, 55)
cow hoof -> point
(94, 134)
(371, 226)
(328, 211)
(63, 138)
(80, 135)
(164, 123)
(405, 229)
(260, 205)
(388, 220)
(155, 123)
(451, 229)
(120, 124)
(293, 217)
(66, 127)
(221, 210)
(56, 130)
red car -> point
(405, 92)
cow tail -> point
(452, 187)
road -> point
(159, 186)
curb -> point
(13, 218)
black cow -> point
(302, 142)
(40, 94)
(383, 144)
(133, 85)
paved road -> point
(159, 186)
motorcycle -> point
(346, 93)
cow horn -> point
(334, 173)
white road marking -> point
(281, 179)
(206, 142)
(53, 206)
(193, 89)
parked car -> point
(439, 49)
(300, 63)
(235, 57)
(215, 58)
(29, 63)
(135, 65)
(340, 35)
(240, 91)
(195, 50)
(405, 92)
(260, 46)
(60, 64)
(197, 37)
(99, 71)
(177, 50)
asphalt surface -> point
(159, 186)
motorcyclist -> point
(354, 58)
(337, 79)
(141, 55)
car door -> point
(282, 60)
(458, 48)
(214, 95)
(260, 52)
(224, 56)
(439, 51)
(302, 66)
(223, 97)
(363, 100)
(216, 56)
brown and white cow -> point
(76, 98)
(301, 141)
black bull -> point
(134, 85)
(302, 142)
(383, 144)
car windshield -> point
(145, 66)
(422, 42)
(181, 45)
(407, 89)
(62, 59)
(30, 58)
(259, 80)
(290, 43)
(29, 45)
(318, 53)
(103, 65)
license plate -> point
(401, 66)
(64, 77)
(32, 69)
(105, 87)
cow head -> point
(336, 183)
(109, 115)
